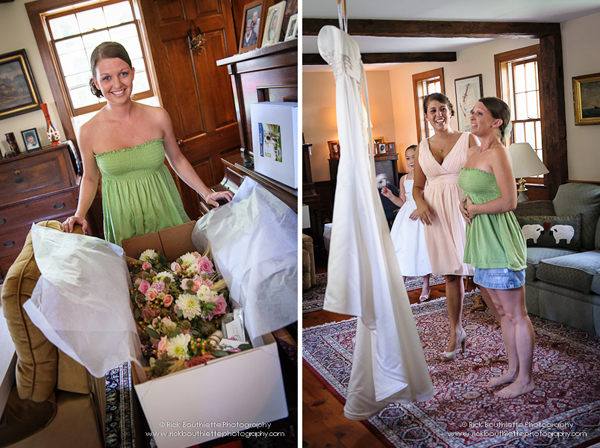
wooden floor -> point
(323, 421)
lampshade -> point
(525, 161)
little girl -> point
(407, 232)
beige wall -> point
(16, 34)
(581, 56)
(319, 117)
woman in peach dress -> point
(438, 162)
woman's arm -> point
(88, 186)
(426, 214)
(182, 166)
(501, 167)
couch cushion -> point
(536, 254)
(580, 198)
(596, 282)
(37, 362)
(552, 231)
(575, 271)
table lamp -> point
(525, 163)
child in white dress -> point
(407, 231)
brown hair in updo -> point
(440, 97)
(106, 50)
(499, 110)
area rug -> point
(312, 299)
(563, 410)
(119, 430)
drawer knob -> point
(59, 205)
(19, 180)
(2, 221)
(17, 172)
(9, 243)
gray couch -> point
(563, 283)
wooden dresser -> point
(34, 187)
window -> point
(72, 33)
(425, 84)
(517, 83)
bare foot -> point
(515, 389)
(507, 377)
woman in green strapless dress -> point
(495, 245)
(127, 143)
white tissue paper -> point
(254, 241)
(81, 301)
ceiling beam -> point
(388, 58)
(430, 28)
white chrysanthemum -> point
(165, 274)
(148, 255)
(188, 259)
(178, 346)
(189, 305)
(206, 294)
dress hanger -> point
(342, 15)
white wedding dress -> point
(364, 278)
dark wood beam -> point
(388, 58)
(430, 28)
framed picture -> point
(586, 95)
(468, 91)
(292, 28)
(381, 148)
(377, 140)
(291, 9)
(391, 147)
(31, 139)
(273, 24)
(252, 28)
(19, 92)
(334, 149)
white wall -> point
(16, 34)
(581, 56)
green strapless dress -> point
(493, 241)
(139, 195)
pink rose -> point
(205, 265)
(221, 305)
(146, 265)
(162, 345)
(159, 286)
(144, 286)
(137, 282)
(168, 300)
(197, 284)
(175, 267)
(151, 294)
(203, 281)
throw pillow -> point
(552, 231)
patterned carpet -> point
(312, 300)
(119, 408)
(563, 410)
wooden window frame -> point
(37, 12)
(418, 80)
(503, 90)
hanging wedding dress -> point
(364, 278)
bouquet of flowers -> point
(178, 309)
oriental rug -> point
(312, 299)
(119, 430)
(563, 410)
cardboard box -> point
(228, 395)
(275, 141)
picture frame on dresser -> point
(251, 38)
(272, 28)
(17, 77)
(31, 139)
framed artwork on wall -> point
(586, 96)
(468, 91)
(19, 92)
(252, 27)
